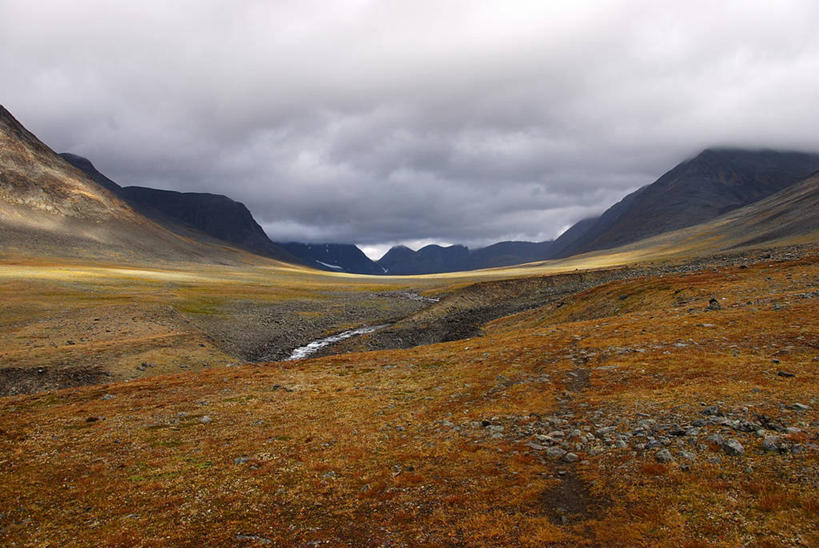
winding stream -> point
(309, 349)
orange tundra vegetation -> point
(628, 415)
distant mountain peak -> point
(333, 256)
(715, 181)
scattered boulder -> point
(716, 439)
(733, 447)
(712, 410)
(713, 304)
(770, 444)
(663, 455)
(555, 452)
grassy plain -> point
(114, 319)
(445, 444)
(84, 321)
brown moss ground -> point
(65, 319)
(362, 448)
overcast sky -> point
(379, 122)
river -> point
(313, 347)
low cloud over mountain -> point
(380, 123)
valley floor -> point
(66, 325)
(675, 409)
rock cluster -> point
(666, 437)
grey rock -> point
(712, 410)
(240, 460)
(206, 419)
(800, 407)
(715, 439)
(555, 452)
(687, 455)
(733, 447)
(663, 455)
(570, 457)
(256, 538)
(770, 444)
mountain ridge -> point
(228, 220)
(713, 182)
(216, 215)
(698, 189)
(49, 207)
(334, 257)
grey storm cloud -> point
(379, 122)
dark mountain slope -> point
(788, 217)
(788, 214)
(84, 164)
(212, 214)
(509, 253)
(229, 221)
(700, 189)
(571, 236)
(333, 257)
(712, 183)
(401, 260)
(433, 259)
